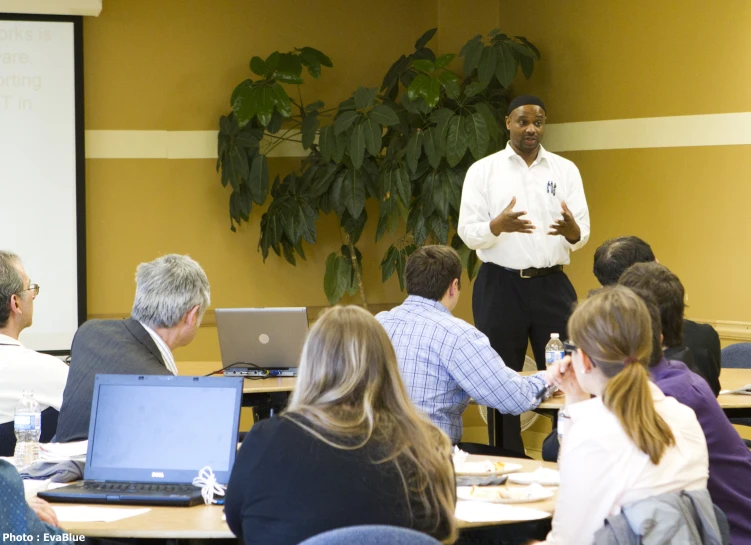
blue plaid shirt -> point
(444, 361)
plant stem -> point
(358, 273)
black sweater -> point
(288, 485)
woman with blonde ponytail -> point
(350, 449)
(625, 441)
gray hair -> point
(11, 282)
(167, 288)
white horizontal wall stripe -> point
(52, 7)
(648, 132)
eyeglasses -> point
(569, 348)
(33, 288)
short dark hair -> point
(668, 293)
(11, 283)
(616, 255)
(656, 319)
(431, 270)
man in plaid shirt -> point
(444, 360)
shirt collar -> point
(4, 339)
(659, 370)
(169, 359)
(510, 153)
(425, 302)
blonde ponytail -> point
(614, 329)
(628, 397)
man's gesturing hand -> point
(566, 226)
(509, 221)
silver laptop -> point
(258, 342)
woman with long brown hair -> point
(350, 449)
(625, 441)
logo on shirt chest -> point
(551, 188)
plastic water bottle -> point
(28, 428)
(563, 419)
(553, 350)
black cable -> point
(243, 364)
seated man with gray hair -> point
(172, 293)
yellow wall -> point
(637, 58)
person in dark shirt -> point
(350, 449)
(697, 345)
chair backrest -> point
(737, 356)
(371, 535)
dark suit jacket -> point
(119, 347)
(700, 352)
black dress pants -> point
(513, 311)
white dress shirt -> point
(602, 469)
(24, 369)
(539, 189)
(167, 357)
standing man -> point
(523, 209)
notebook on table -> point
(261, 342)
(149, 437)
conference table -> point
(205, 522)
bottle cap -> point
(554, 335)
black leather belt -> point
(533, 272)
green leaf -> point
(473, 265)
(471, 52)
(327, 142)
(244, 102)
(289, 69)
(247, 141)
(258, 66)
(456, 140)
(486, 67)
(450, 83)
(384, 220)
(530, 45)
(364, 97)
(507, 66)
(335, 280)
(444, 60)
(259, 179)
(441, 229)
(288, 252)
(264, 103)
(335, 194)
(528, 66)
(353, 192)
(354, 226)
(490, 120)
(272, 61)
(477, 134)
(310, 125)
(423, 40)
(342, 142)
(388, 263)
(432, 147)
(423, 65)
(318, 104)
(245, 202)
(281, 100)
(372, 134)
(523, 50)
(474, 88)
(307, 220)
(323, 180)
(426, 87)
(309, 52)
(357, 146)
(426, 193)
(345, 121)
(452, 182)
(238, 161)
(276, 123)
(441, 115)
(440, 199)
(271, 233)
(401, 264)
(384, 115)
(420, 230)
(403, 184)
(414, 149)
(288, 213)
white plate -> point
(503, 494)
(484, 468)
(543, 476)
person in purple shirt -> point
(729, 459)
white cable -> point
(206, 480)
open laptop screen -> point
(162, 429)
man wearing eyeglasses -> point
(22, 368)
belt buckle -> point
(521, 273)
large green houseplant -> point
(407, 145)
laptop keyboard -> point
(166, 489)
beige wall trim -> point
(649, 132)
(731, 331)
(209, 318)
(52, 7)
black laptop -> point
(149, 437)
